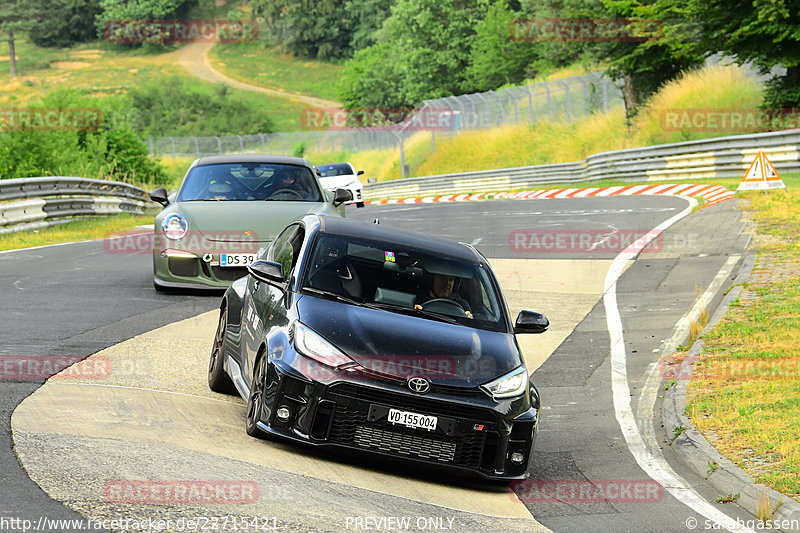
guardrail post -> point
(605, 94)
(263, 142)
(172, 139)
(219, 144)
(150, 146)
(196, 146)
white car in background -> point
(342, 176)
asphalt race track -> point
(153, 417)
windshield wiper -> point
(337, 297)
(412, 311)
(381, 306)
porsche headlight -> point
(508, 386)
(315, 347)
(175, 226)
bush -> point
(113, 151)
(174, 106)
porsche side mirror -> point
(341, 195)
(266, 271)
(531, 322)
(160, 195)
(359, 172)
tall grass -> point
(720, 87)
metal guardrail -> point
(33, 203)
(722, 157)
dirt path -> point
(194, 58)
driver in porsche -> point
(290, 180)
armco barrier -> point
(32, 203)
(722, 157)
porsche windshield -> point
(250, 181)
(404, 280)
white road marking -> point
(653, 464)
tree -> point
(115, 10)
(18, 16)
(766, 32)
(496, 59)
(66, 22)
(646, 59)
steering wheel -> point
(444, 305)
(291, 192)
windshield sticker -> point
(389, 256)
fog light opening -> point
(517, 458)
(283, 413)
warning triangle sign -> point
(761, 176)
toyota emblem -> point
(418, 385)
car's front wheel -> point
(218, 380)
(255, 401)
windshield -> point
(338, 169)
(250, 181)
(404, 280)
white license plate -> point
(412, 420)
(236, 260)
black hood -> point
(402, 346)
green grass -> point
(265, 66)
(78, 230)
(100, 69)
(747, 391)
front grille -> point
(413, 402)
(228, 273)
(351, 426)
(413, 445)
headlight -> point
(315, 347)
(175, 227)
(512, 384)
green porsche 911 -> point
(226, 209)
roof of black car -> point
(387, 233)
(252, 158)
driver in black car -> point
(443, 286)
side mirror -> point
(359, 172)
(266, 271)
(160, 195)
(531, 322)
(341, 196)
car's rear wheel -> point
(255, 401)
(218, 380)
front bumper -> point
(190, 270)
(472, 435)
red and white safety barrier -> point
(712, 194)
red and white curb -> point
(712, 194)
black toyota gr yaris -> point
(382, 340)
